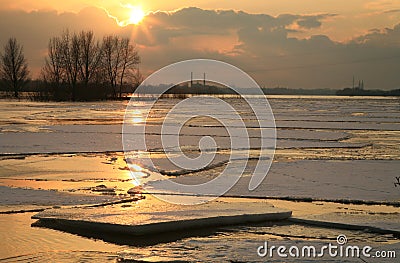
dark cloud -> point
(392, 11)
(197, 21)
(309, 22)
(389, 37)
(219, 20)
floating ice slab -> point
(152, 216)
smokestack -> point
(191, 79)
(204, 80)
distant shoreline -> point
(29, 95)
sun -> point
(132, 15)
(136, 15)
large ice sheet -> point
(106, 138)
(331, 180)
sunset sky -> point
(290, 43)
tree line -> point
(77, 67)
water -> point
(328, 148)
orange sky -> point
(278, 42)
(362, 14)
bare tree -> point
(14, 68)
(136, 78)
(71, 59)
(111, 60)
(120, 58)
(90, 56)
(53, 73)
(129, 62)
(53, 69)
(80, 60)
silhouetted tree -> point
(90, 57)
(79, 60)
(111, 60)
(14, 68)
(136, 78)
(71, 59)
(53, 71)
(120, 59)
(130, 61)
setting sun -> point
(131, 15)
(136, 15)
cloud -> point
(392, 11)
(379, 4)
(196, 21)
(388, 38)
(261, 44)
(264, 48)
(315, 21)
